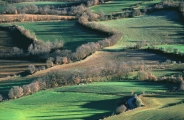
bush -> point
(31, 69)
(121, 109)
(15, 92)
(1, 98)
(181, 86)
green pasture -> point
(147, 4)
(120, 5)
(71, 32)
(167, 106)
(89, 101)
(155, 27)
(180, 47)
(115, 6)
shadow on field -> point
(78, 34)
(6, 85)
(108, 105)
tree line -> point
(109, 71)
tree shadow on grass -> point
(5, 86)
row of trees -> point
(106, 72)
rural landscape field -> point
(91, 60)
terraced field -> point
(90, 101)
(155, 28)
(71, 32)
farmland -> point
(163, 106)
(119, 6)
(114, 6)
(92, 80)
(155, 28)
(80, 102)
(6, 42)
(63, 30)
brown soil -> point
(101, 57)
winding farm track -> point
(100, 58)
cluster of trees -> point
(143, 75)
(17, 91)
(174, 79)
(108, 71)
(76, 1)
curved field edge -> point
(90, 101)
(161, 106)
(70, 32)
(156, 28)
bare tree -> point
(26, 89)
(31, 69)
(15, 92)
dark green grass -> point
(5, 86)
(90, 101)
(71, 32)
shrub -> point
(181, 86)
(31, 69)
(121, 109)
(138, 101)
(1, 98)
(142, 75)
(15, 92)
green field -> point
(115, 6)
(90, 101)
(120, 5)
(155, 27)
(180, 47)
(71, 32)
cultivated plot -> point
(70, 32)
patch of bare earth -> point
(100, 58)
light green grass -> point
(147, 4)
(168, 106)
(114, 6)
(155, 27)
(180, 47)
(91, 101)
(71, 32)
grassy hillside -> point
(177, 46)
(89, 101)
(114, 6)
(71, 32)
(161, 107)
(155, 27)
(120, 5)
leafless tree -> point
(15, 92)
